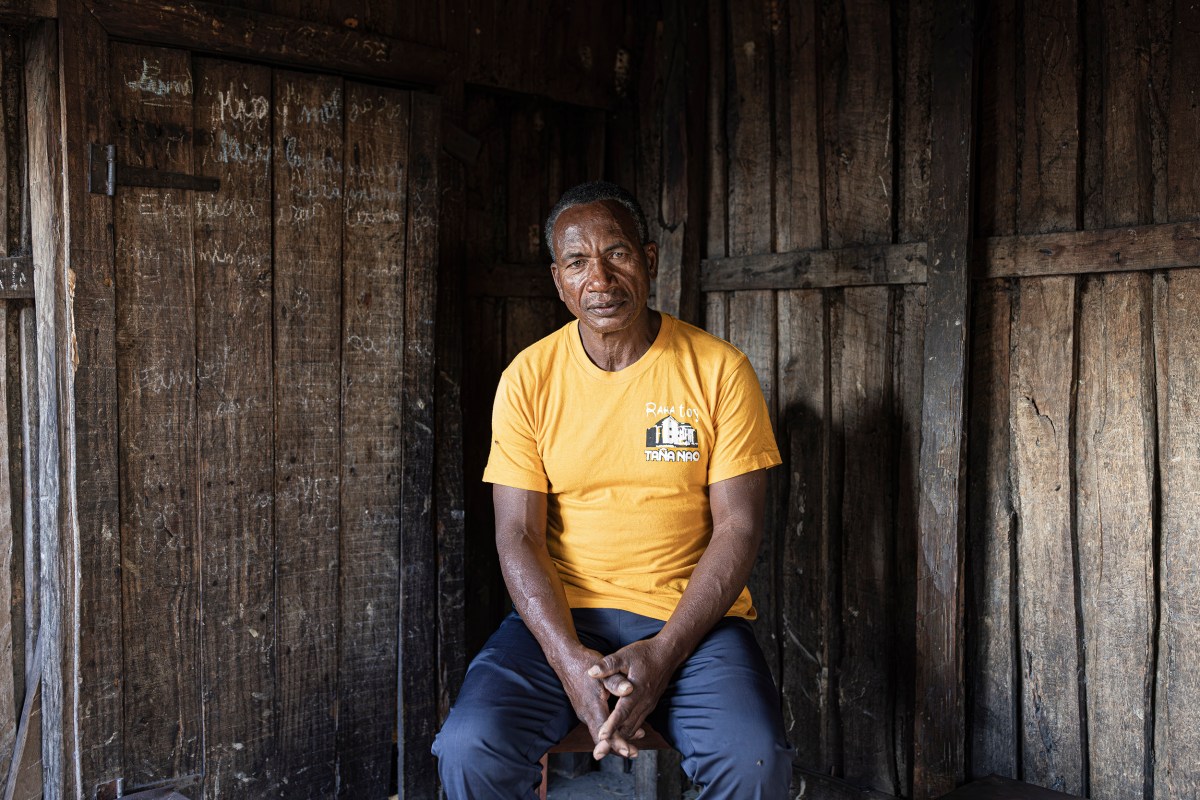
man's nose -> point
(599, 275)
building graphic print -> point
(670, 432)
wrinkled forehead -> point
(591, 223)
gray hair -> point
(595, 192)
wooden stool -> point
(652, 780)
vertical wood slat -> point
(8, 540)
(417, 691)
(800, 223)
(374, 241)
(30, 435)
(751, 328)
(1177, 307)
(1042, 341)
(1115, 465)
(234, 423)
(15, 478)
(156, 368)
(914, 141)
(1050, 156)
(307, 168)
(863, 390)
(807, 578)
(857, 100)
(87, 108)
(748, 128)
(716, 196)
(908, 372)
(1128, 181)
(998, 151)
(1177, 710)
(940, 731)
(991, 625)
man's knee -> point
(471, 742)
(750, 766)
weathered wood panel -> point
(808, 578)
(1115, 510)
(307, 194)
(858, 123)
(374, 241)
(862, 386)
(417, 699)
(1177, 695)
(997, 152)
(908, 371)
(716, 197)
(15, 478)
(991, 537)
(751, 328)
(235, 418)
(1049, 156)
(9, 535)
(748, 128)
(798, 169)
(1042, 339)
(156, 369)
(87, 104)
(1183, 116)
(1128, 188)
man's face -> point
(602, 270)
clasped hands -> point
(637, 675)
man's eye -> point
(618, 255)
(576, 264)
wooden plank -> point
(376, 158)
(808, 593)
(1128, 179)
(939, 737)
(1049, 188)
(307, 170)
(717, 200)
(1115, 510)
(55, 461)
(24, 777)
(858, 122)
(13, 198)
(18, 497)
(801, 224)
(9, 537)
(232, 31)
(907, 374)
(234, 418)
(991, 537)
(1177, 697)
(1183, 120)
(1040, 402)
(748, 127)
(156, 369)
(526, 184)
(863, 389)
(86, 80)
(30, 569)
(751, 328)
(16, 278)
(815, 269)
(914, 37)
(1124, 249)
(417, 694)
(716, 314)
(1161, 55)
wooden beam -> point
(940, 726)
(55, 409)
(231, 31)
(1125, 249)
(21, 11)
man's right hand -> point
(589, 697)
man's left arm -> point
(737, 510)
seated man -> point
(628, 459)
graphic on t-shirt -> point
(664, 436)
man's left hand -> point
(649, 665)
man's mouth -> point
(606, 307)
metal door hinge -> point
(105, 174)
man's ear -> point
(651, 251)
(557, 280)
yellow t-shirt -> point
(625, 458)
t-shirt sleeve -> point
(514, 460)
(744, 439)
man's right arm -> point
(537, 592)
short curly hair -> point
(595, 192)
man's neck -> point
(615, 351)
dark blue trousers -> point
(720, 711)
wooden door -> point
(252, 363)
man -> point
(627, 461)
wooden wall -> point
(1083, 440)
(818, 137)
